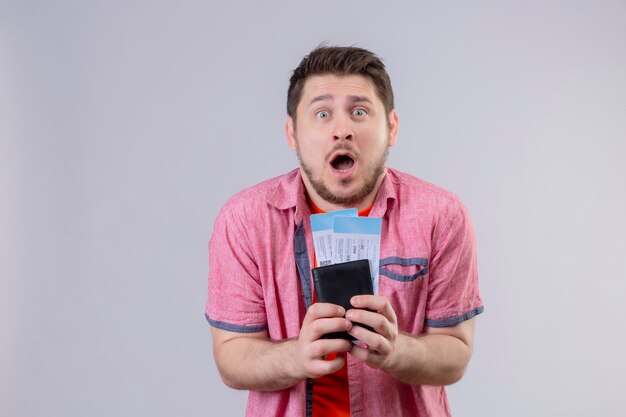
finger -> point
(373, 302)
(323, 347)
(377, 303)
(367, 356)
(360, 353)
(376, 321)
(319, 310)
(320, 367)
(319, 327)
(374, 341)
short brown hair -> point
(338, 60)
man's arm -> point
(252, 361)
(439, 356)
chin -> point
(344, 193)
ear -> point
(393, 127)
(290, 132)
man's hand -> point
(321, 318)
(438, 356)
(381, 346)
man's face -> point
(342, 135)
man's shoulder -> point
(411, 187)
(433, 203)
(258, 196)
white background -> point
(125, 125)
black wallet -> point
(338, 283)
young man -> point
(266, 325)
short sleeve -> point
(235, 295)
(453, 294)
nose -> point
(342, 129)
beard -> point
(372, 173)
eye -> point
(322, 114)
(359, 112)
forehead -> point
(338, 87)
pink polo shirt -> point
(260, 257)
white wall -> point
(124, 126)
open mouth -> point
(342, 163)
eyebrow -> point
(359, 99)
(323, 97)
(351, 99)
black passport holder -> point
(338, 283)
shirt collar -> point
(387, 194)
(290, 193)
